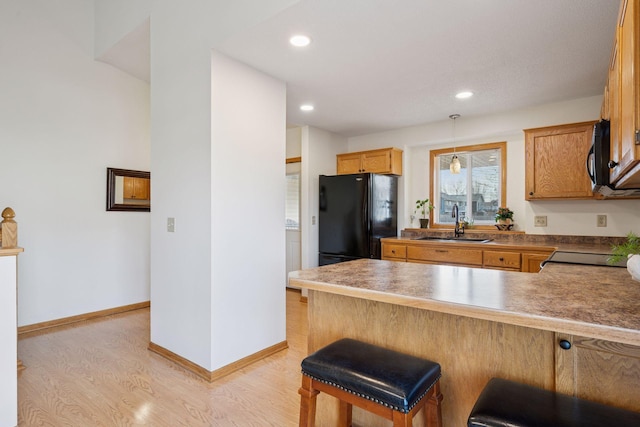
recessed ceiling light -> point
(464, 95)
(306, 107)
(300, 40)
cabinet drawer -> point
(445, 255)
(394, 251)
(501, 259)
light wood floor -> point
(100, 373)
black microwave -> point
(598, 163)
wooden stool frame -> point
(311, 388)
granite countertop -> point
(596, 302)
(514, 240)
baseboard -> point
(221, 372)
(81, 317)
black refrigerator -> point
(355, 211)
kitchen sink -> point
(454, 239)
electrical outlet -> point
(602, 220)
(171, 225)
(540, 221)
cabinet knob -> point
(501, 259)
(393, 251)
(565, 345)
(612, 164)
(531, 193)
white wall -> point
(319, 149)
(572, 217)
(294, 142)
(215, 196)
(247, 206)
(65, 118)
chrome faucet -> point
(455, 213)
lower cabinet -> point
(502, 260)
(443, 254)
(394, 252)
(605, 371)
(471, 255)
(531, 261)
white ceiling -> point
(376, 65)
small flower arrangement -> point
(621, 252)
(504, 214)
(423, 206)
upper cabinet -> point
(385, 161)
(555, 159)
(136, 188)
(621, 104)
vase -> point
(504, 224)
(633, 266)
(424, 222)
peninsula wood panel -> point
(470, 351)
(599, 370)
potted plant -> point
(424, 207)
(504, 219)
(629, 250)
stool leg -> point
(402, 420)
(346, 411)
(307, 403)
(433, 408)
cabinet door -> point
(349, 163)
(136, 188)
(377, 161)
(445, 255)
(501, 260)
(531, 262)
(394, 252)
(555, 162)
(603, 371)
(628, 151)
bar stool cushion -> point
(505, 403)
(384, 376)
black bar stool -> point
(505, 403)
(382, 381)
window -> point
(478, 190)
(292, 207)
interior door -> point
(292, 219)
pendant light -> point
(454, 167)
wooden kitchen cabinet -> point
(394, 252)
(471, 255)
(136, 188)
(501, 260)
(555, 159)
(531, 261)
(445, 254)
(604, 371)
(384, 161)
(624, 98)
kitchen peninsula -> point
(480, 323)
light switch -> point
(171, 225)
